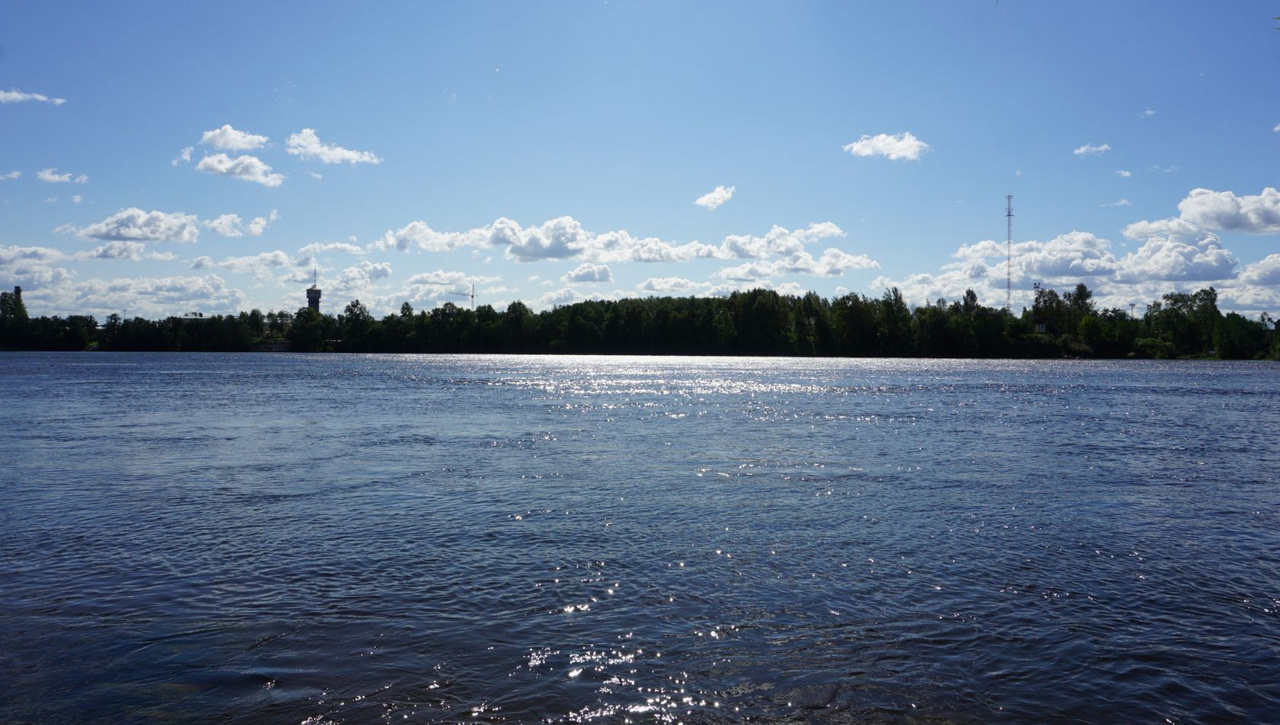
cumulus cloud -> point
(589, 273)
(10, 176)
(555, 239)
(1092, 150)
(259, 265)
(306, 144)
(119, 250)
(1204, 209)
(669, 285)
(1223, 210)
(228, 225)
(1120, 202)
(1061, 262)
(898, 147)
(1123, 174)
(247, 168)
(156, 297)
(777, 241)
(258, 224)
(134, 224)
(13, 254)
(562, 296)
(1148, 113)
(1263, 272)
(1277, 128)
(51, 176)
(832, 263)
(714, 198)
(231, 139)
(430, 287)
(184, 156)
(16, 96)
(307, 255)
(565, 238)
(77, 199)
(362, 276)
(1172, 259)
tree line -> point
(754, 322)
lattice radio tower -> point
(1008, 245)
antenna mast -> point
(1008, 267)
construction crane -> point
(470, 295)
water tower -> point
(313, 293)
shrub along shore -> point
(755, 322)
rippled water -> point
(278, 538)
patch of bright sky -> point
(621, 115)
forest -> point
(755, 322)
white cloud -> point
(1277, 128)
(555, 239)
(778, 241)
(1120, 202)
(230, 139)
(418, 234)
(11, 255)
(134, 224)
(440, 285)
(714, 198)
(1170, 258)
(259, 265)
(832, 263)
(228, 225)
(51, 176)
(620, 246)
(589, 273)
(564, 238)
(669, 285)
(1223, 210)
(362, 276)
(119, 250)
(259, 223)
(307, 145)
(1091, 150)
(307, 255)
(1263, 272)
(77, 199)
(10, 176)
(184, 156)
(1147, 113)
(895, 148)
(16, 96)
(1204, 209)
(560, 297)
(248, 168)
(1123, 174)
(156, 297)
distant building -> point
(313, 297)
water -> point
(329, 539)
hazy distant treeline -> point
(756, 322)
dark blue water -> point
(330, 539)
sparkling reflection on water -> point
(277, 538)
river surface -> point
(321, 539)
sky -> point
(161, 158)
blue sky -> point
(164, 158)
